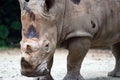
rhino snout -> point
(28, 70)
(26, 66)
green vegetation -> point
(10, 26)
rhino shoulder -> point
(84, 26)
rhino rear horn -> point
(76, 1)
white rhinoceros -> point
(77, 24)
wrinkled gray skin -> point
(76, 24)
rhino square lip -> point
(40, 70)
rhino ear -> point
(49, 4)
(76, 1)
(23, 5)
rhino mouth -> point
(40, 70)
(35, 74)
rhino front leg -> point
(78, 47)
(116, 53)
(48, 76)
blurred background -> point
(10, 25)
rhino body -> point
(96, 19)
(76, 24)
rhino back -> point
(98, 19)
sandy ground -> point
(96, 65)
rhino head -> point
(39, 20)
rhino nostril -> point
(45, 71)
(28, 49)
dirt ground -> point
(96, 65)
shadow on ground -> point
(103, 78)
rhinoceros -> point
(78, 25)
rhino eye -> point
(27, 0)
(46, 48)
